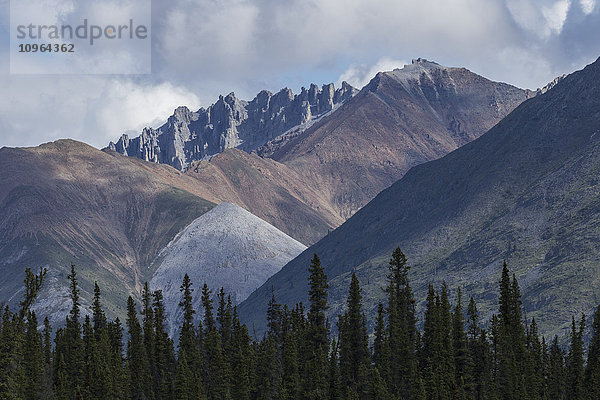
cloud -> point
(556, 15)
(359, 75)
(203, 48)
(91, 109)
(587, 6)
(539, 18)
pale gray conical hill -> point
(226, 247)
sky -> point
(203, 48)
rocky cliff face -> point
(225, 248)
(190, 136)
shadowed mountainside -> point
(527, 191)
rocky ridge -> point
(189, 136)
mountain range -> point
(302, 163)
(311, 178)
(527, 192)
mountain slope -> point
(268, 189)
(225, 248)
(402, 118)
(66, 203)
(527, 191)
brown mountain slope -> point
(268, 189)
(400, 119)
(66, 202)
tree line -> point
(452, 357)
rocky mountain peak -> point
(550, 85)
(230, 122)
(425, 63)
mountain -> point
(225, 248)
(526, 192)
(189, 136)
(66, 203)
(111, 215)
(311, 177)
(402, 118)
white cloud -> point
(539, 18)
(359, 75)
(556, 15)
(128, 106)
(91, 109)
(587, 6)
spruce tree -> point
(447, 371)
(381, 348)
(48, 379)
(463, 364)
(273, 356)
(481, 371)
(437, 356)
(336, 382)
(33, 359)
(164, 356)
(187, 335)
(97, 350)
(534, 373)
(148, 329)
(269, 384)
(289, 357)
(72, 348)
(98, 315)
(510, 341)
(353, 342)
(188, 379)
(377, 386)
(33, 284)
(274, 319)
(241, 360)
(217, 374)
(575, 389)
(404, 378)
(224, 319)
(116, 361)
(187, 386)
(317, 333)
(556, 372)
(318, 330)
(592, 370)
(430, 343)
(140, 379)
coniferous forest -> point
(454, 356)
